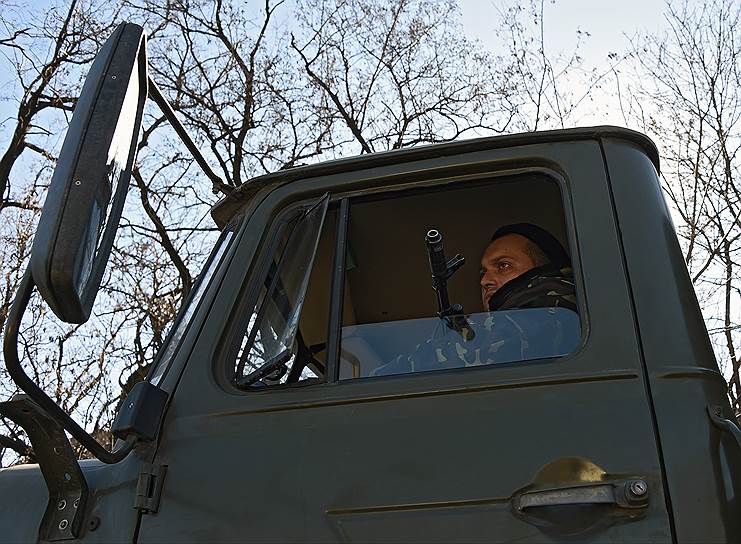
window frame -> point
(388, 188)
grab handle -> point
(631, 493)
(716, 416)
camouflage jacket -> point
(542, 287)
(533, 316)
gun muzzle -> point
(436, 253)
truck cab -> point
(287, 419)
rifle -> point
(442, 270)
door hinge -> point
(149, 488)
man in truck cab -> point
(524, 266)
(529, 302)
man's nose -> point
(489, 280)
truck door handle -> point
(631, 494)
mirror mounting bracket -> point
(68, 490)
(219, 186)
(40, 398)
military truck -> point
(266, 417)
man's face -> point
(504, 259)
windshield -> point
(186, 314)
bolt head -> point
(63, 524)
(61, 505)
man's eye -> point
(502, 267)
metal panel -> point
(703, 467)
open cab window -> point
(351, 296)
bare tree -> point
(45, 55)
(688, 95)
(548, 88)
(226, 72)
(395, 74)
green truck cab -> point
(274, 412)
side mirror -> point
(89, 185)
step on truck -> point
(336, 376)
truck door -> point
(316, 398)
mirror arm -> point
(16, 372)
(156, 95)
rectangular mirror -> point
(89, 185)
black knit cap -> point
(540, 237)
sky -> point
(608, 22)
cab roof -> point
(225, 208)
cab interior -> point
(387, 269)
